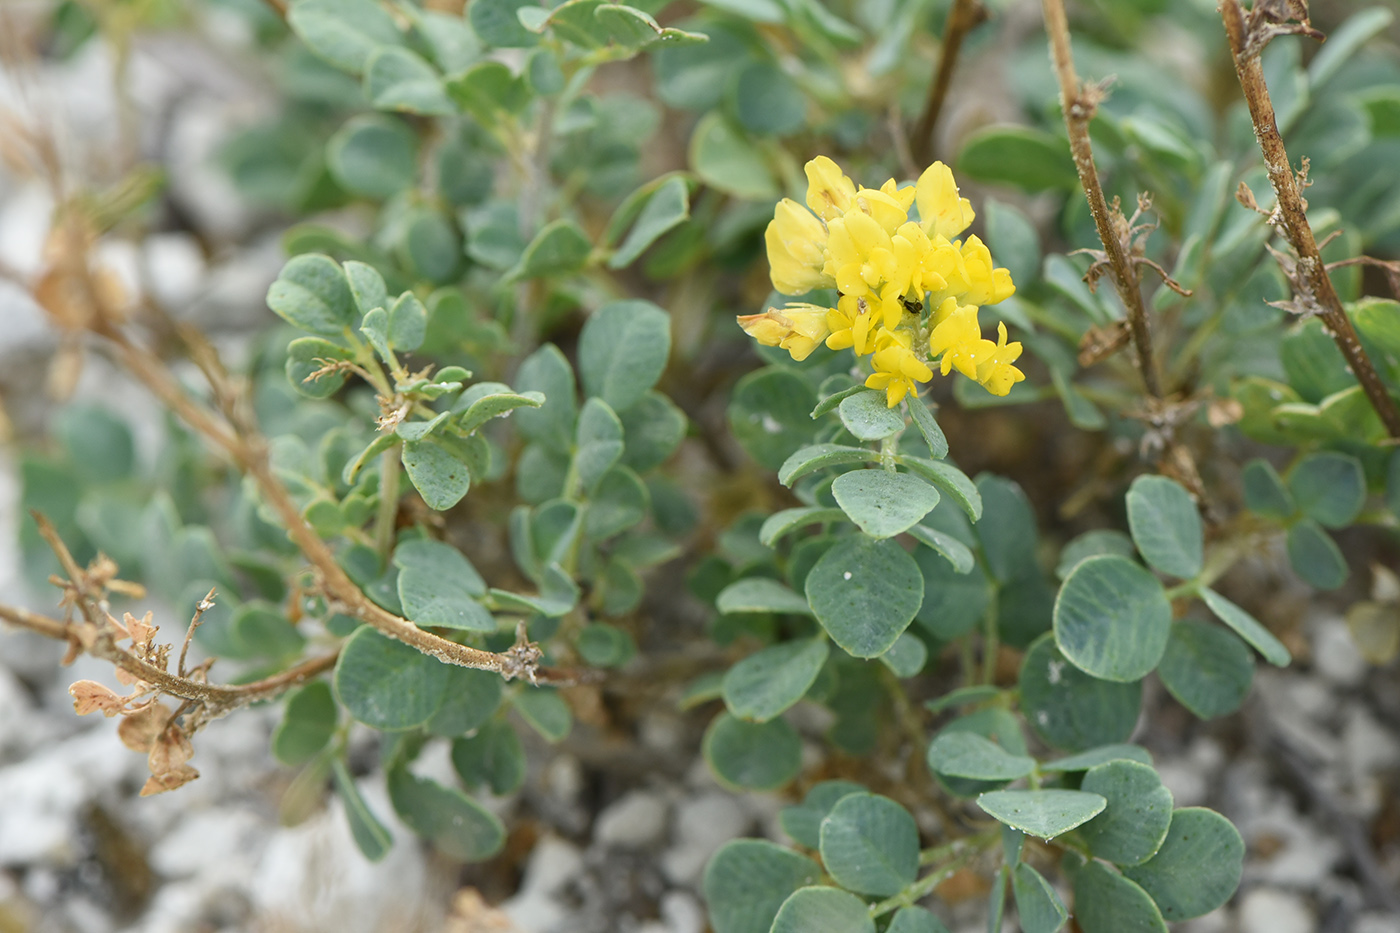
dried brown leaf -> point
(139, 730)
(90, 696)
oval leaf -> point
(1042, 813)
(1197, 868)
(865, 594)
(870, 845)
(764, 684)
(1132, 827)
(757, 756)
(823, 910)
(1166, 526)
(883, 504)
(1112, 619)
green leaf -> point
(263, 631)
(752, 755)
(883, 504)
(1007, 529)
(1206, 668)
(438, 470)
(456, 824)
(1029, 158)
(1042, 813)
(1330, 488)
(652, 427)
(623, 351)
(953, 550)
(747, 880)
(1013, 241)
(1097, 756)
(489, 91)
(1315, 556)
(599, 443)
(603, 645)
(725, 160)
(408, 323)
(952, 481)
(866, 415)
(906, 657)
(388, 685)
(366, 285)
(558, 594)
(472, 698)
(953, 602)
(343, 32)
(438, 587)
(1112, 619)
(397, 79)
(760, 594)
(496, 23)
(370, 836)
(307, 725)
(765, 684)
(560, 248)
(486, 400)
(1166, 526)
(1247, 627)
(1132, 827)
(1038, 904)
(928, 427)
(963, 696)
(803, 821)
(618, 503)
(768, 414)
(915, 920)
(820, 456)
(782, 523)
(552, 424)
(311, 293)
(545, 710)
(870, 845)
(823, 910)
(373, 156)
(991, 723)
(493, 757)
(969, 755)
(1344, 42)
(1070, 709)
(1197, 868)
(304, 357)
(1092, 544)
(865, 593)
(667, 207)
(1106, 902)
(1264, 492)
(766, 101)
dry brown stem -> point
(1313, 294)
(965, 16)
(95, 632)
(1079, 102)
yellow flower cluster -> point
(909, 290)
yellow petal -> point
(941, 210)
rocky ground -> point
(611, 832)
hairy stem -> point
(1313, 291)
(1079, 103)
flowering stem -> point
(1079, 103)
(1312, 288)
(964, 16)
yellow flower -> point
(829, 192)
(985, 285)
(798, 328)
(959, 338)
(996, 373)
(897, 368)
(796, 249)
(852, 325)
(889, 207)
(941, 211)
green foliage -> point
(518, 331)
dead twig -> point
(1079, 101)
(964, 16)
(1313, 293)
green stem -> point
(388, 501)
(991, 642)
(889, 448)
